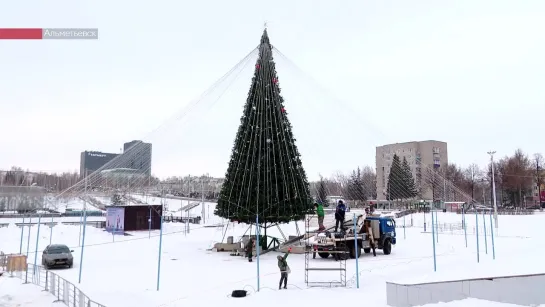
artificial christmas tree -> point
(265, 176)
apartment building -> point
(420, 155)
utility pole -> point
(491, 153)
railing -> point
(63, 290)
(501, 211)
(329, 219)
(182, 219)
(55, 215)
(405, 213)
(96, 224)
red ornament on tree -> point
(283, 110)
(275, 80)
(257, 66)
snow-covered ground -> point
(13, 293)
(122, 270)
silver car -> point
(56, 255)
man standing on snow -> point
(320, 212)
(339, 215)
(250, 249)
(284, 269)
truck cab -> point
(384, 232)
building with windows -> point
(91, 161)
(421, 156)
(139, 155)
(136, 156)
(538, 194)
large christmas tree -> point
(265, 175)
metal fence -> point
(63, 290)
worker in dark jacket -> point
(339, 215)
(250, 249)
(284, 269)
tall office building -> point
(420, 155)
(91, 161)
(136, 155)
(139, 155)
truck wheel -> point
(323, 255)
(367, 250)
(344, 252)
(387, 248)
(353, 252)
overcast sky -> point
(354, 75)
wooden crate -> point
(16, 263)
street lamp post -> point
(491, 153)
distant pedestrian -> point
(368, 229)
(321, 214)
(250, 249)
(284, 269)
(339, 215)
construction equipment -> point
(372, 231)
(340, 251)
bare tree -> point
(517, 177)
(455, 175)
(369, 178)
(341, 184)
(430, 181)
(472, 174)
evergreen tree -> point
(396, 188)
(265, 176)
(356, 186)
(322, 191)
(408, 180)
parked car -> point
(57, 255)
